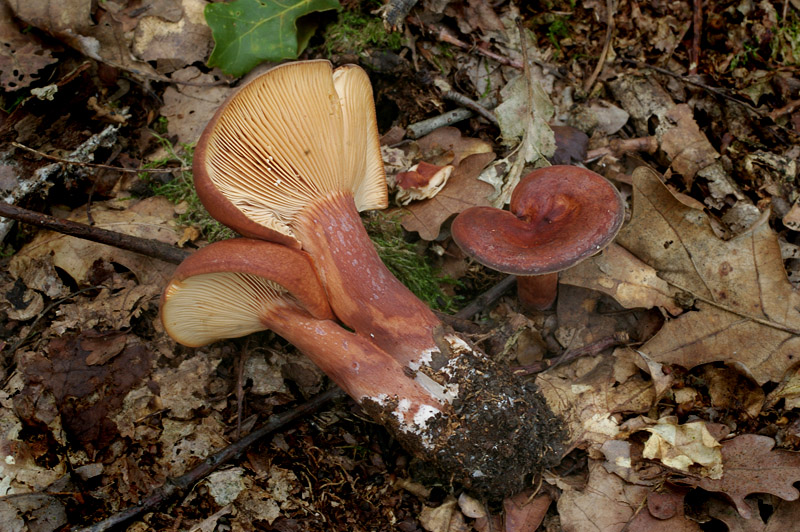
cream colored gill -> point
(363, 163)
(278, 144)
(208, 307)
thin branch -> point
(697, 27)
(690, 81)
(587, 87)
(164, 492)
(472, 105)
(486, 299)
(104, 166)
(145, 246)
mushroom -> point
(236, 287)
(293, 157)
(558, 216)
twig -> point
(789, 108)
(164, 492)
(587, 87)
(472, 105)
(618, 147)
(145, 246)
(104, 166)
(445, 35)
(697, 27)
(422, 128)
(487, 298)
(592, 349)
(709, 88)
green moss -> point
(355, 33)
(407, 263)
(181, 189)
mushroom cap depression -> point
(558, 216)
(295, 134)
(227, 289)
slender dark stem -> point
(164, 492)
(145, 246)
(486, 299)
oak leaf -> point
(747, 309)
(751, 465)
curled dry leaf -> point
(747, 309)
(587, 392)
(683, 446)
(751, 465)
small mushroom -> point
(557, 217)
(293, 157)
(421, 181)
(236, 287)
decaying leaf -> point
(462, 191)
(188, 108)
(177, 43)
(21, 57)
(682, 446)
(609, 504)
(621, 275)
(747, 309)
(588, 392)
(751, 465)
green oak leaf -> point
(247, 32)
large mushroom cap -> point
(558, 216)
(227, 290)
(295, 134)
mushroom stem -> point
(367, 374)
(537, 292)
(362, 292)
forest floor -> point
(671, 356)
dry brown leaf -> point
(178, 43)
(682, 447)
(618, 273)
(188, 108)
(150, 218)
(751, 465)
(446, 145)
(686, 146)
(607, 503)
(588, 392)
(523, 513)
(87, 395)
(22, 55)
(748, 311)
(71, 21)
(462, 191)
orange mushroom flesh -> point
(233, 288)
(293, 157)
(557, 217)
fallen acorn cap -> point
(557, 217)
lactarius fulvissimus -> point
(292, 158)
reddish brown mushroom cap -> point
(227, 289)
(558, 216)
